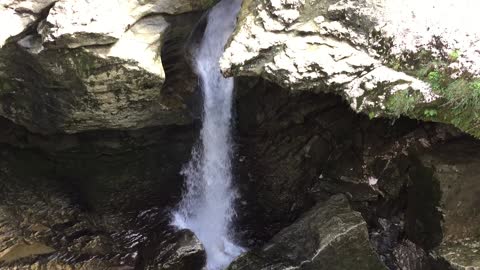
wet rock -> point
(24, 249)
(330, 236)
(177, 251)
(410, 256)
(84, 195)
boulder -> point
(382, 58)
(178, 250)
(330, 236)
(410, 256)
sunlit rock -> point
(385, 58)
(98, 65)
(17, 15)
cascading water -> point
(207, 205)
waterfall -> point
(207, 205)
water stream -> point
(207, 204)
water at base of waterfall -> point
(207, 204)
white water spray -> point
(207, 206)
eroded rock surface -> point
(459, 189)
(330, 236)
(82, 23)
(89, 65)
(363, 51)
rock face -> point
(90, 200)
(330, 236)
(100, 100)
(458, 188)
(82, 23)
(297, 149)
(383, 59)
(88, 65)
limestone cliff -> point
(71, 66)
(97, 106)
(384, 57)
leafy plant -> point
(430, 113)
(402, 102)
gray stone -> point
(457, 177)
(330, 236)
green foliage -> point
(461, 96)
(395, 63)
(402, 102)
(436, 79)
(475, 85)
(454, 55)
(459, 91)
(430, 113)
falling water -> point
(207, 205)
